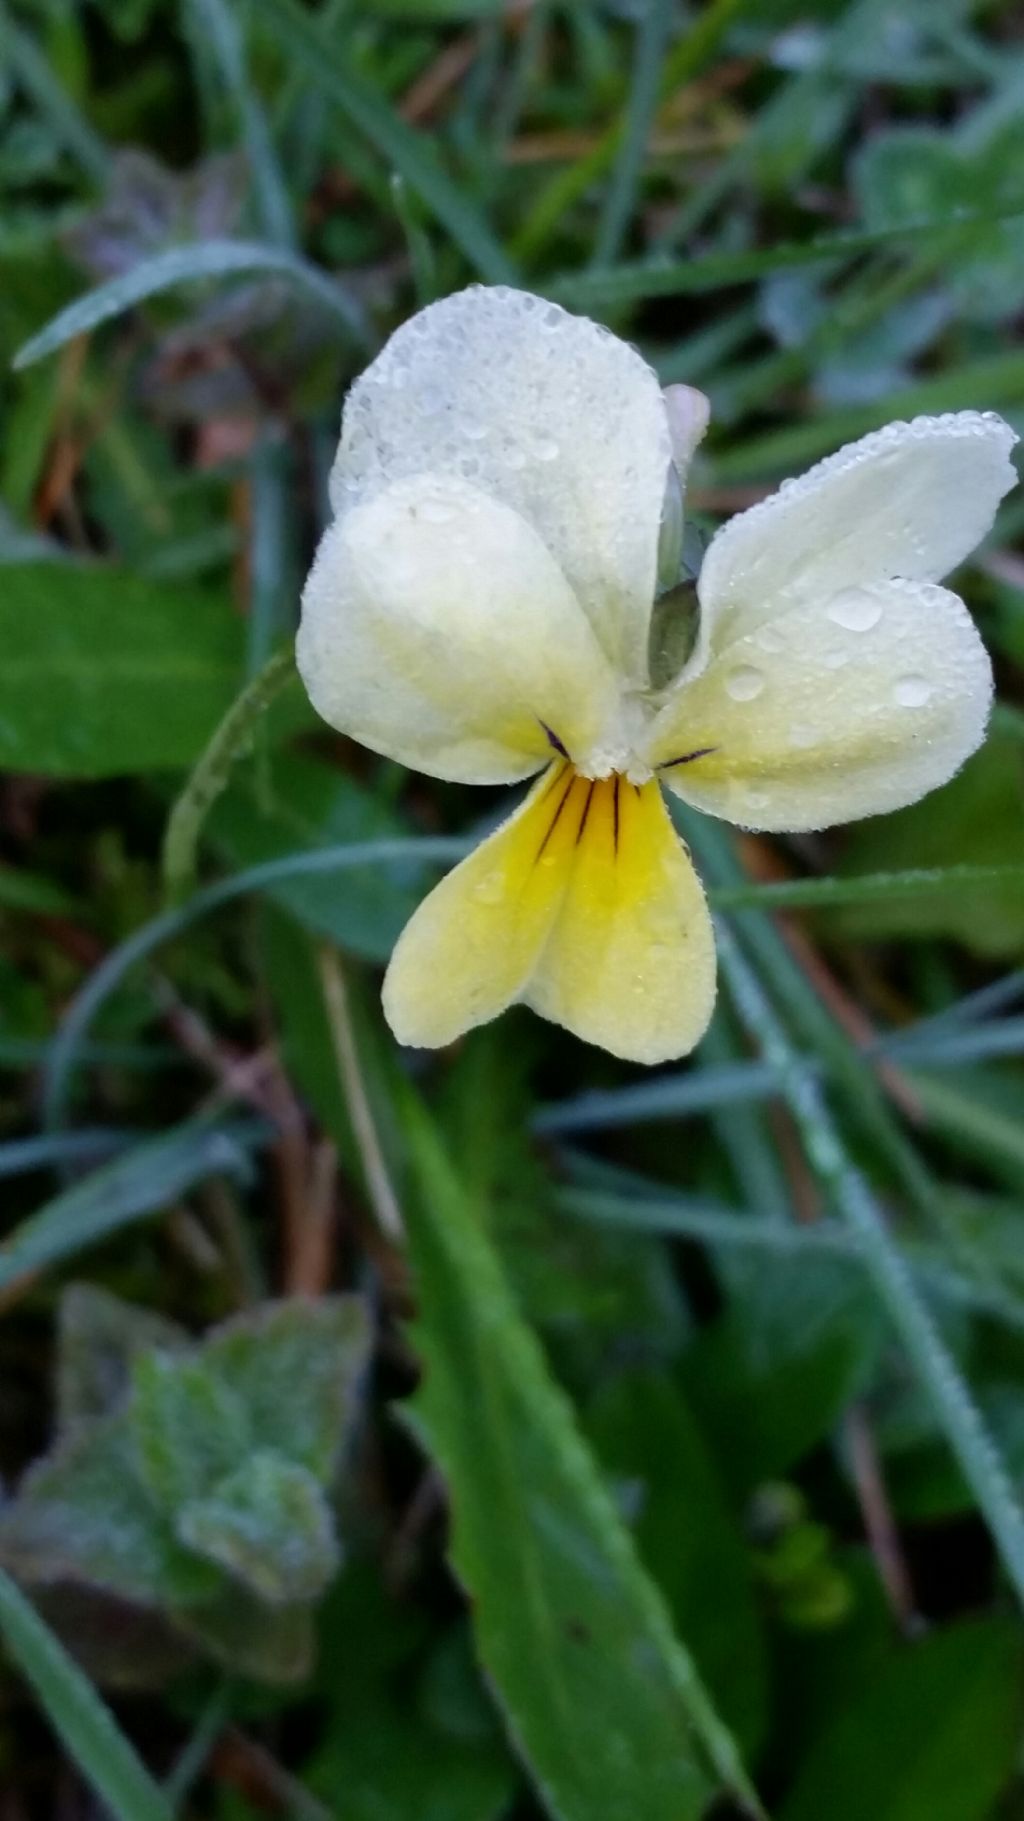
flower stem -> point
(211, 773)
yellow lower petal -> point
(472, 945)
(585, 904)
(630, 962)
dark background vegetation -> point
(783, 1285)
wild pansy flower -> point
(480, 610)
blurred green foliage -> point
(670, 1516)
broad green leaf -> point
(84, 1726)
(272, 1644)
(269, 1525)
(770, 1377)
(83, 1514)
(297, 1368)
(932, 1737)
(189, 1427)
(602, 1700)
(104, 673)
(301, 802)
(400, 1747)
(688, 1537)
(99, 1339)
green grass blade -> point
(962, 1423)
(408, 152)
(31, 69)
(871, 888)
(184, 265)
(212, 771)
(629, 284)
(136, 1184)
(988, 384)
(144, 941)
(220, 30)
(652, 34)
(85, 1726)
(684, 61)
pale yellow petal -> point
(835, 711)
(471, 947)
(630, 962)
(438, 630)
(547, 412)
(910, 501)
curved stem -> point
(211, 773)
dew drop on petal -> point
(857, 611)
(835, 659)
(744, 683)
(802, 735)
(911, 691)
(546, 449)
(490, 889)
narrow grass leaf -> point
(138, 1183)
(634, 283)
(962, 1423)
(408, 152)
(84, 1725)
(204, 259)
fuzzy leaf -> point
(296, 1369)
(189, 1427)
(268, 1525)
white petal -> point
(546, 411)
(911, 500)
(832, 712)
(437, 629)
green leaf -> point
(99, 1339)
(83, 1514)
(143, 1181)
(400, 1748)
(771, 1376)
(179, 265)
(272, 1644)
(269, 1525)
(104, 673)
(299, 802)
(190, 1428)
(85, 1727)
(687, 1536)
(932, 1737)
(296, 1367)
(973, 820)
(602, 1700)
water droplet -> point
(744, 683)
(912, 691)
(856, 611)
(474, 431)
(491, 889)
(800, 734)
(546, 449)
